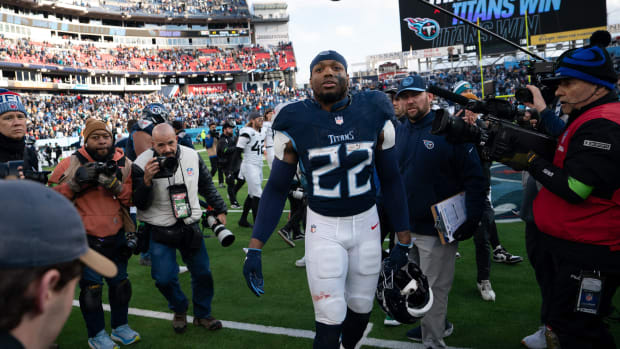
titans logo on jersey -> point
(336, 149)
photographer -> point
(12, 132)
(97, 178)
(578, 209)
(167, 181)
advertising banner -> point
(424, 27)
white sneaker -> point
(536, 340)
(486, 291)
(182, 269)
(301, 263)
(389, 321)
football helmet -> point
(404, 294)
(155, 112)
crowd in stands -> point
(123, 58)
(65, 116)
(211, 8)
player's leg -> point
(326, 269)
(363, 274)
(255, 189)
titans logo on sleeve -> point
(336, 149)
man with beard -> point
(13, 130)
(338, 139)
(226, 152)
(97, 178)
(433, 170)
(169, 206)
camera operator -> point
(167, 200)
(578, 209)
(12, 132)
(226, 152)
(97, 178)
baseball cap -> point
(411, 83)
(592, 64)
(40, 227)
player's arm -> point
(392, 184)
(141, 142)
(275, 192)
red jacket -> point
(101, 211)
(594, 221)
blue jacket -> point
(433, 170)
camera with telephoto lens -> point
(167, 166)
(209, 220)
(503, 136)
(11, 169)
(225, 236)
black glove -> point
(466, 230)
(399, 256)
(83, 176)
(519, 161)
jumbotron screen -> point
(549, 21)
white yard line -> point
(291, 332)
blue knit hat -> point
(11, 101)
(328, 55)
(591, 64)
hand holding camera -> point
(110, 182)
(150, 169)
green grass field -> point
(287, 303)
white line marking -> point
(291, 332)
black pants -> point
(483, 236)
(297, 221)
(542, 265)
(568, 260)
(214, 168)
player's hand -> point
(252, 271)
(399, 256)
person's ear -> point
(44, 289)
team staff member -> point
(250, 144)
(13, 130)
(41, 258)
(171, 210)
(578, 209)
(433, 170)
(103, 201)
(337, 139)
(226, 151)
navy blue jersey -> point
(142, 125)
(336, 149)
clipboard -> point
(448, 216)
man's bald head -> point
(164, 140)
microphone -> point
(446, 94)
(470, 104)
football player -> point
(338, 139)
(250, 143)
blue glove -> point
(252, 271)
(399, 256)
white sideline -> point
(291, 332)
